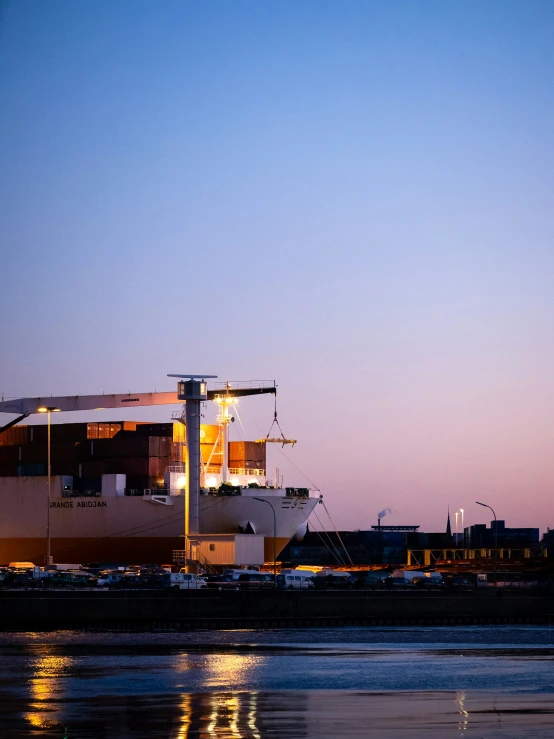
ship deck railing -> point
(81, 494)
(244, 385)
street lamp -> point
(263, 500)
(48, 409)
(495, 537)
(456, 516)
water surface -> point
(371, 682)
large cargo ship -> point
(117, 527)
(118, 493)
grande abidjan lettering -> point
(78, 504)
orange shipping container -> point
(14, 436)
(247, 450)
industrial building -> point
(498, 536)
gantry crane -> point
(191, 389)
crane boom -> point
(14, 422)
(102, 402)
(88, 402)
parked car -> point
(222, 582)
(400, 583)
(70, 579)
(108, 579)
(255, 581)
(235, 574)
(428, 583)
(371, 582)
(144, 581)
(457, 582)
(21, 579)
(334, 581)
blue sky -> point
(353, 198)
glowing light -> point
(181, 482)
(235, 482)
(211, 482)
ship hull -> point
(130, 529)
(130, 550)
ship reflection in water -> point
(286, 685)
(232, 715)
(295, 715)
(227, 714)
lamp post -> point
(262, 500)
(495, 537)
(456, 516)
(48, 409)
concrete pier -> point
(209, 609)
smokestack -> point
(381, 515)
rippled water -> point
(359, 682)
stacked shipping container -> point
(142, 451)
(246, 455)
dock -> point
(144, 610)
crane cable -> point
(311, 483)
(283, 440)
(337, 533)
(326, 509)
(331, 546)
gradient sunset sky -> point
(352, 198)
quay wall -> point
(207, 609)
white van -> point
(295, 580)
(186, 581)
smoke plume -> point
(384, 513)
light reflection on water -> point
(305, 714)
(222, 670)
(463, 720)
(256, 685)
(45, 685)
